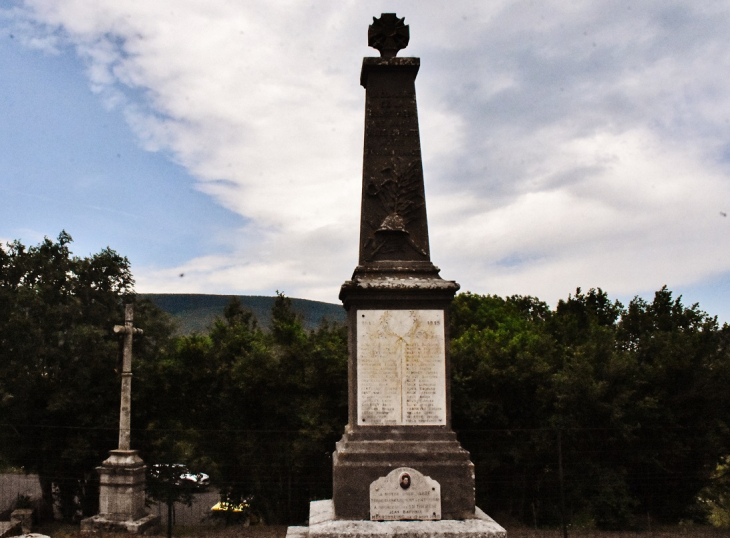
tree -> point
(164, 485)
(260, 411)
(592, 391)
(59, 392)
(289, 388)
(502, 359)
(681, 406)
(637, 397)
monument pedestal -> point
(399, 408)
(121, 496)
(322, 524)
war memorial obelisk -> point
(398, 469)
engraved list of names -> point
(401, 370)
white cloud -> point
(565, 144)
(646, 214)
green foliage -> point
(639, 395)
(681, 405)
(259, 410)
(716, 495)
(164, 485)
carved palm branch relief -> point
(399, 192)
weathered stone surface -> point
(388, 34)
(122, 496)
(322, 524)
(297, 532)
(393, 215)
(369, 453)
(9, 528)
(147, 524)
(401, 375)
(395, 283)
(126, 401)
(405, 494)
(121, 486)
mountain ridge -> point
(196, 312)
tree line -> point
(630, 402)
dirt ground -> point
(64, 530)
(677, 532)
(57, 530)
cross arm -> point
(123, 329)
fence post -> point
(562, 486)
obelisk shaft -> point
(393, 224)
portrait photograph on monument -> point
(325, 269)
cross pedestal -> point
(121, 496)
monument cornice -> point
(373, 64)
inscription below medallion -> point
(405, 494)
(401, 370)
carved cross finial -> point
(388, 34)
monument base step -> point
(322, 524)
(144, 525)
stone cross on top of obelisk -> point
(125, 408)
(388, 34)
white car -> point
(181, 474)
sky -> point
(218, 144)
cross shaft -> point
(126, 401)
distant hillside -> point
(196, 312)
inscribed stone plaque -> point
(401, 367)
(405, 494)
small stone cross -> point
(388, 34)
(125, 409)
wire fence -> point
(268, 452)
(197, 513)
(16, 485)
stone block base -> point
(121, 486)
(322, 524)
(364, 456)
(144, 525)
